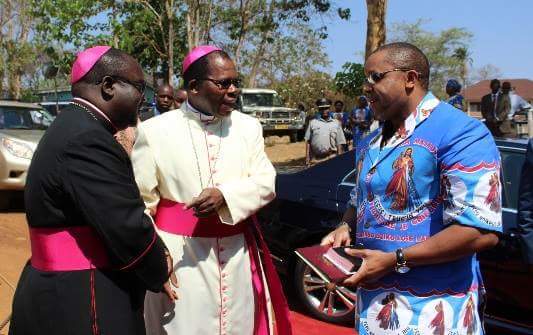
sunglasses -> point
(139, 85)
(375, 77)
(225, 83)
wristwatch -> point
(401, 263)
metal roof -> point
(13, 103)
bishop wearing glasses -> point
(94, 250)
(203, 174)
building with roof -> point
(474, 93)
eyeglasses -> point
(375, 77)
(139, 85)
(226, 83)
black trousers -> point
(87, 302)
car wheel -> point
(294, 137)
(324, 300)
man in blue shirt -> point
(363, 119)
(427, 199)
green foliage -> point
(305, 88)
(440, 48)
(350, 80)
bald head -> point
(402, 55)
(179, 97)
(164, 98)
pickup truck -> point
(267, 107)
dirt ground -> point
(14, 241)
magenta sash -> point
(67, 249)
(172, 218)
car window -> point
(24, 118)
(261, 99)
(512, 163)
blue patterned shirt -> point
(442, 168)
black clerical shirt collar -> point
(96, 112)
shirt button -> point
(224, 275)
(221, 249)
(372, 171)
(367, 225)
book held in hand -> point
(332, 263)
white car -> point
(21, 127)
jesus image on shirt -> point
(398, 187)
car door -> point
(506, 276)
(344, 189)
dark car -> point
(311, 202)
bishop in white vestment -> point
(187, 155)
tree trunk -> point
(375, 25)
(169, 4)
(261, 49)
(244, 11)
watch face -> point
(402, 269)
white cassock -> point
(215, 282)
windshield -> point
(24, 118)
(261, 99)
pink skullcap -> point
(197, 53)
(85, 61)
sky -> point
(503, 30)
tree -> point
(375, 25)
(462, 54)
(486, 72)
(350, 80)
(153, 32)
(17, 51)
(305, 88)
(440, 49)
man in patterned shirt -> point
(427, 199)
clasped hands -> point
(376, 263)
(207, 202)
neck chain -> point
(88, 110)
(85, 109)
(210, 181)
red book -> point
(327, 262)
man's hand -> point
(338, 237)
(375, 265)
(167, 288)
(207, 203)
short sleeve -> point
(307, 135)
(470, 176)
(340, 135)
